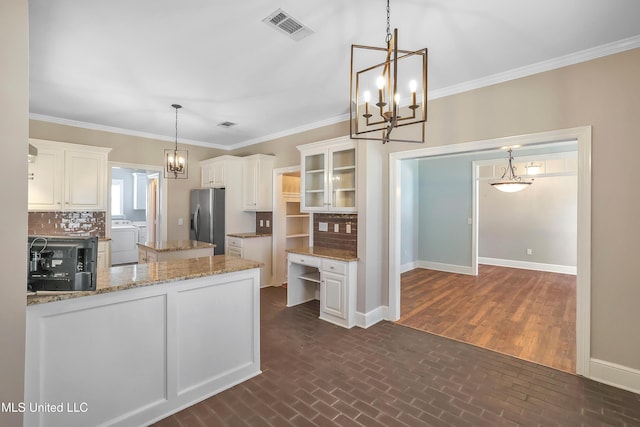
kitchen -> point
(585, 99)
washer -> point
(124, 242)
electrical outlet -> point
(336, 228)
(180, 221)
(348, 228)
(261, 223)
(323, 226)
(529, 251)
(268, 223)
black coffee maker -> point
(60, 263)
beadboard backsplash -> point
(67, 223)
(331, 239)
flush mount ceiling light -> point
(533, 168)
(509, 182)
(175, 161)
(395, 76)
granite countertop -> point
(330, 253)
(248, 235)
(132, 276)
(176, 245)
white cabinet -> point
(104, 254)
(257, 181)
(253, 248)
(328, 180)
(216, 172)
(68, 177)
(332, 282)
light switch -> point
(261, 223)
(268, 223)
(323, 226)
(180, 221)
(348, 228)
(336, 228)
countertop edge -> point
(309, 252)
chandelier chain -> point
(388, 38)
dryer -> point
(124, 242)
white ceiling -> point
(120, 64)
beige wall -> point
(14, 116)
(603, 93)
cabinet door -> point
(45, 180)
(333, 294)
(314, 182)
(217, 174)
(205, 179)
(104, 248)
(250, 171)
(84, 180)
(342, 179)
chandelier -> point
(398, 80)
(175, 161)
(509, 182)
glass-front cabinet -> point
(328, 176)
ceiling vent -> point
(226, 124)
(287, 24)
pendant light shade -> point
(175, 161)
(509, 182)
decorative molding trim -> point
(365, 320)
(540, 67)
(516, 73)
(615, 375)
(526, 265)
(449, 268)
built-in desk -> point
(328, 275)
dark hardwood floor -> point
(318, 374)
(527, 314)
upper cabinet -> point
(257, 173)
(328, 179)
(215, 172)
(70, 177)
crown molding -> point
(121, 131)
(539, 67)
(516, 73)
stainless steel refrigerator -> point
(207, 217)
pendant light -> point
(509, 182)
(392, 76)
(175, 160)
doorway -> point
(583, 138)
(137, 199)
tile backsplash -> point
(332, 239)
(67, 223)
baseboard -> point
(615, 375)
(448, 268)
(364, 320)
(537, 266)
(408, 266)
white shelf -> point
(315, 191)
(291, 236)
(344, 168)
(344, 189)
(314, 276)
(298, 216)
(315, 171)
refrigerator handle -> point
(195, 221)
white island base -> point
(132, 357)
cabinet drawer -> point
(234, 252)
(334, 266)
(235, 241)
(304, 260)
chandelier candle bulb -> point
(380, 84)
(367, 98)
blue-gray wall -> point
(127, 176)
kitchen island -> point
(149, 341)
(173, 249)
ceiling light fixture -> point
(533, 168)
(394, 75)
(175, 160)
(509, 182)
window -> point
(117, 198)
